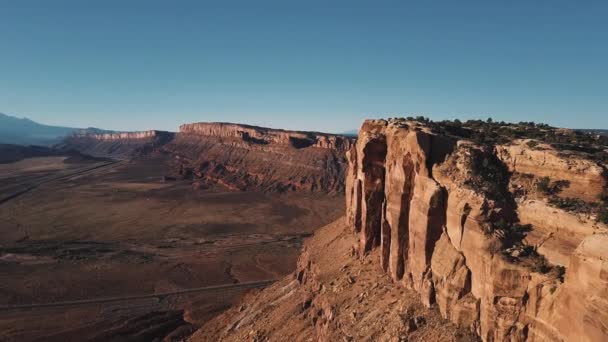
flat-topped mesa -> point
(117, 145)
(123, 135)
(443, 213)
(266, 136)
(255, 158)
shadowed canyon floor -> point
(99, 229)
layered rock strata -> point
(239, 157)
(256, 158)
(440, 213)
(585, 178)
(117, 145)
(266, 136)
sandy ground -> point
(99, 230)
(338, 297)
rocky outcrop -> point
(123, 135)
(117, 145)
(266, 136)
(586, 179)
(440, 212)
(239, 157)
(256, 158)
(332, 297)
(580, 309)
(432, 222)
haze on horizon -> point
(134, 65)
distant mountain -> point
(24, 131)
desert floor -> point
(84, 245)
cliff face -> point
(123, 135)
(585, 177)
(117, 145)
(240, 157)
(267, 136)
(436, 221)
(255, 158)
(331, 297)
(442, 216)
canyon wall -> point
(585, 177)
(117, 145)
(122, 135)
(266, 136)
(239, 157)
(442, 215)
(245, 157)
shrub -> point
(604, 196)
(540, 264)
(532, 143)
(572, 204)
(544, 185)
(603, 217)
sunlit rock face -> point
(266, 136)
(239, 157)
(441, 212)
(122, 145)
(246, 157)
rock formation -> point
(265, 136)
(255, 158)
(440, 211)
(585, 177)
(117, 145)
(239, 157)
(458, 225)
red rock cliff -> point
(117, 145)
(263, 136)
(442, 215)
(256, 158)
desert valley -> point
(431, 231)
(160, 217)
(303, 171)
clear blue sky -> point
(311, 65)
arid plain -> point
(97, 248)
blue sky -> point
(311, 65)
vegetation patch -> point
(489, 132)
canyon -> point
(445, 239)
(240, 157)
(140, 236)
(430, 232)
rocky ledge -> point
(245, 157)
(265, 136)
(443, 215)
(234, 156)
(445, 239)
(117, 145)
(123, 135)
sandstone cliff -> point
(239, 157)
(454, 225)
(117, 145)
(254, 158)
(440, 211)
(264, 136)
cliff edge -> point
(239, 157)
(504, 240)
